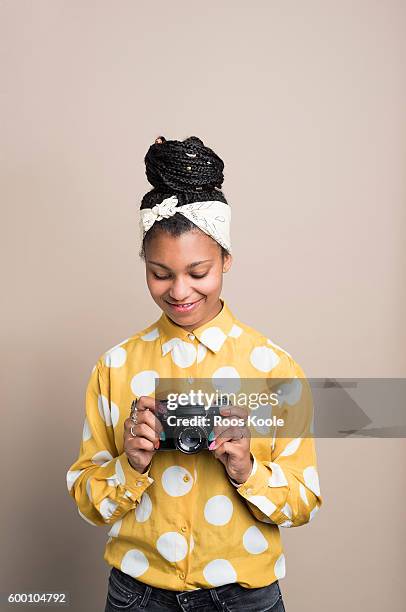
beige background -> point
(305, 103)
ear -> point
(228, 260)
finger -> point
(142, 430)
(235, 431)
(227, 448)
(232, 434)
(138, 443)
(239, 411)
(144, 416)
(227, 422)
(148, 403)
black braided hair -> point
(187, 169)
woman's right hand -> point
(141, 449)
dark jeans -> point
(127, 593)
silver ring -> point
(133, 415)
(134, 435)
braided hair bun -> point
(187, 169)
(183, 166)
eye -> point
(198, 275)
(160, 277)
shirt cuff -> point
(136, 482)
(253, 470)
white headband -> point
(212, 217)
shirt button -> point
(139, 483)
(182, 575)
(186, 478)
(191, 337)
(183, 528)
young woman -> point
(193, 529)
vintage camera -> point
(188, 428)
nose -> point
(179, 290)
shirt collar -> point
(212, 334)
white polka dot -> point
(279, 347)
(201, 352)
(219, 571)
(254, 465)
(173, 481)
(263, 503)
(86, 519)
(264, 358)
(88, 490)
(172, 546)
(134, 563)
(144, 508)
(144, 383)
(152, 335)
(115, 413)
(184, 354)
(254, 541)
(101, 457)
(279, 567)
(213, 337)
(291, 447)
(86, 434)
(192, 543)
(71, 476)
(266, 520)
(287, 510)
(115, 529)
(170, 344)
(261, 426)
(107, 507)
(235, 331)
(311, 479)
(116, 357)
(303, 495)
(104, 409)
(291, 392)
(278, 478)
(218, 510)
(113, 481)
(120, 471)
(226, 380)
(313, 512)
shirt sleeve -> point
(101, 481)
(285, 489)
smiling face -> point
(186, 269)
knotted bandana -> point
(212, 217)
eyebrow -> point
(192, 265)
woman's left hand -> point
(232, 443)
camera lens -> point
(190, 439)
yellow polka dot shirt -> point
(184, 524)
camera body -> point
(188, 428)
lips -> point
(186, 306)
